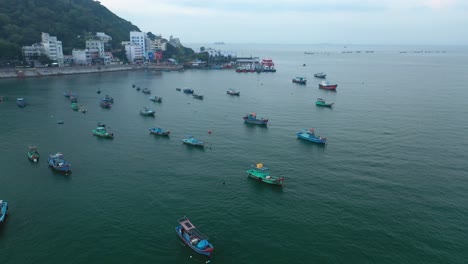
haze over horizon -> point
(383, 22)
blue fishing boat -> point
(193, 238)
(300, 80)
(3, 210)
(252, 119)
(107, 98)
(190, 140)
(159, 131)
(188, 91)
(309, 135)
(20, 102)
(147, 112)
(58, 162)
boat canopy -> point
(191, 229)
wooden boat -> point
(300, 80)
(321, 102)
(309, 135)
(188, 91)
(232, 92)
(198, 96)
(327, 86)
(101, 131)
(262, 174)
(193, 238)
(3, 210)
(190, 140)
(58, 162)
(33, 154)
(156, 99)
(147, 112)
(320, 75)
(159, 131)
(146, 91)
(252, 119)
(20, 102)
(74, 106)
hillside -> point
(22, 21)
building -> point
(134, 52)
(32, 53)
(96, 46)
(81, 57)
(52, 48)
(174, 41)
(139, 39)
(103, 37)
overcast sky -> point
(413, 22)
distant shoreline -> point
(39, 72)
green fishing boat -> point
(33, 154)
(101, 131)
(74, 106)
(262, 174)
(321, 102)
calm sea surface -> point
(390, 187)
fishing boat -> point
(232, 92)
(146, 91)
(33, 154)
(327, 86)
(74, 106)
(300, 80)
(178, 89)
(309, 135)
(198, 96)
(105, 104)
(83, 110)
(320, 75)
(193, 238)
(156, 99)
(58, 162)
(147, 112)
(107, 98)
(69, 94)
(262, 174)
(133, 85)
(138, 88)
(20, 102)
(101, 131)
(73, 99)
(98, 91)
(188, 91)
(321, 102)
(3, 210)
(252, 119)
(159, 131)
(268, 65)
(190, 140)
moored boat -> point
(156, 99)
(138, 88)
(146, 91)
(73, 99)
(147, 112)
(300, 80)
(105, 104)
(309, 135)
(58, 162)
(232, 92)
(33, 154)
(107, 98)
(198, 96)
(253, 119)
(327, 86)
(190, 140)
(3, 210)
(101, 131)
(320, 75)
(20, 102)
(262, 174)
(188, 91)
(178, 89)
(159, 131)
(98, 91)
(193, 238)
(74, 106)
(83, 110)
(321, 102)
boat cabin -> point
(191, 234)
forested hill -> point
(22, 21)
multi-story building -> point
(81, 57)
(138, 38)
(96, 46)
(33, 52)
(52, 48)
(134, 52)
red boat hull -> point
(328, 87)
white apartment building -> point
(33, 52)
(82, 57)
(96, 46)
(134, 52)
(52, 48)
(138, 38)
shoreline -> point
(39, 72)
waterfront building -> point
(138, 38)
(52, 48)
(96, 46)
(134, 52)
(81, 57)
(32, 53)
